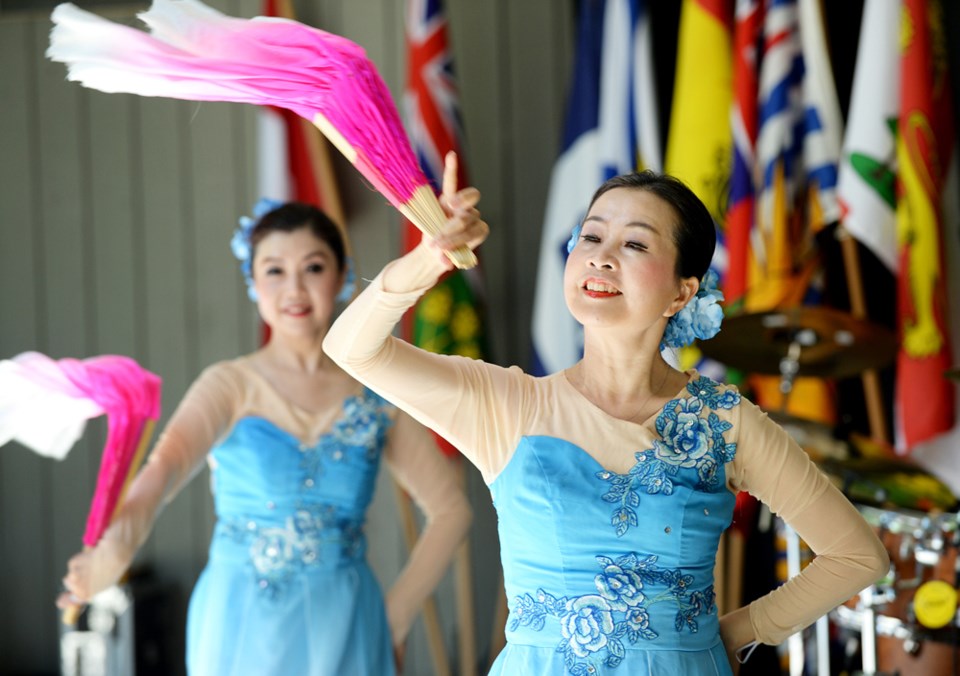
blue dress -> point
(287, 589)
(612, 573)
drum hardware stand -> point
(790, 363)
(795, 643)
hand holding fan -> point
(45, 404)
(194, 52)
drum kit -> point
(907, 623)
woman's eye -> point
(590, 238)
(274, 271)
(315, 268)
(638, 246)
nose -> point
(602, 258)
(295, 282)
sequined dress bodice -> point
(599, 564)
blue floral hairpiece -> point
(349, 283)
(700, 318)
(242, 249)
(241, 245)
(574, 237)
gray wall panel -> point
(115, 217)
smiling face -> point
(622, 271)
(296, 277)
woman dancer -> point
(614, 479)
(294, 445)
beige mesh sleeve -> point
(478, 407)
(432, 480)
(201, 417)
(773, 468)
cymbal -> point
(832, 344)
(890, 482)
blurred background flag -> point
(924, 398)
(448, 319)
(700, 144)
(293, 157)
(610, 129)
(798, 147)
(700, 141)
(748, 31)
(867, 176)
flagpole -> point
(858, 308)
(465, 608)
(438, 650)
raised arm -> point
(431, 480)
(475, 406)
(199, 420)
(849, 556)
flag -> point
(797, 154)
(822, 121)
(448, 319)
(700, 144)
(747, 35)
(924, 398)
(700, 141)
(294, 157)
(610, 129)
(867, 177)
(939, 454)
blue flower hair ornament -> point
(349, 282)
(574, 237)
(699, 319)
(241, 245)
(242, 248)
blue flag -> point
(610, 127)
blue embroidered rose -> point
(686, 435)
(621, 587)
(638, 624)
(271, 551)
(586, 624)
(364, 421)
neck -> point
(621, 370)
(629, 384)
(297, 353)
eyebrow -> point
(318, 252)
(631, 224)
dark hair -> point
(293, 216)
(695, 235)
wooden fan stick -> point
(422, 209)
(438, 650)
(72, 612)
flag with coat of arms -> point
(610, 129)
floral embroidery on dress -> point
(277, 552)
(360, 429)
(691, 438)
(594, 626)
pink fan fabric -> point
(112, 385)
(194, 52)
(129, 395)
(39, 406)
